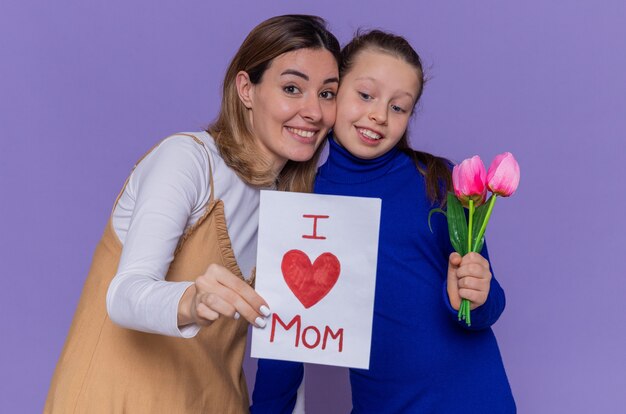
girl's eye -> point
(291, 89)
(328, 95)
(365, 96)
(397, 109)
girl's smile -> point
(369, 137)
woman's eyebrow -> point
(306, 77)
(296, 73)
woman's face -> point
(375, 103)
(293, 106)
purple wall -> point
(85, 89)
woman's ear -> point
(245, 88)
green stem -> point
(481, 232)
(464, 310)
(469, 226)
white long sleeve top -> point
(166, 194)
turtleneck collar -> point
(343, 167)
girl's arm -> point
(276, 387)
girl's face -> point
(293, 107)
(374, 103)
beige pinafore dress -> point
(105, 368)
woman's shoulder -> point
(187, 150)
(192, 142)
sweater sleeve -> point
(488, 313)
(167, 187)
(276, 387)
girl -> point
(423, 360)
(178, 253)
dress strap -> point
(197, 140)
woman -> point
(178, 253)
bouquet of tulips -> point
(471, 182)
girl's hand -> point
(218, 292)
(468, 278)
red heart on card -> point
(310, 282)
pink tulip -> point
(468, 179)
(503, 176)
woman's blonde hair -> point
(232, 132)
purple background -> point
(87, 87)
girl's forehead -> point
(371, 62)
(377, 59)
(384, 70)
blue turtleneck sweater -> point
(423, 360)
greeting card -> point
(316, 268)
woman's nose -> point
(311, 109)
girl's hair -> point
(436, 170)
(232, 131)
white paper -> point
(326, 248)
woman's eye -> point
(291, 90)
(328, 95)
(397, 109)
(365, 96)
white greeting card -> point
(316, 268)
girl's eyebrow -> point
(369, 78)
(306, 77)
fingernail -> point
(265, 311)
(236, 316)
(260, 322)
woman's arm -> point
(169, 190)
(166, 189)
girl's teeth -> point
(370, 134)
(302, 133)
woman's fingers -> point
(232, 302)
(226, 294)
(245, 291)
(205, 315)
(217, 304)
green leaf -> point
(479, 218)
(433, 211)
(457, 225)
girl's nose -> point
(378, 115)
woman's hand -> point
(468, 278)
(218, 292)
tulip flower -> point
(503, 175)
(469, 181)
